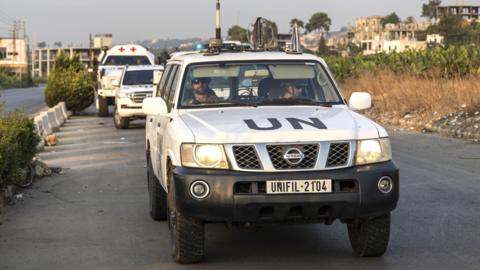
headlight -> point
(122, 94)
(373, 151)
(204, 156)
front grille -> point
(246, 157)
(338, 154)
(279, 161)
(138, 97)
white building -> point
(14, 54)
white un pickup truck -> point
(255, 138)
(136, 84)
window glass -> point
(132, 60)
(137, 77)
(171, 87)
(258, 84)
(3, 53)
(163, 81)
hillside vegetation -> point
(412, 89)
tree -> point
(69, 81)
(353, 49)
(236, 32)
(299, 23)
(430, 10)
(318, 22)
(323, 49)
(452, 27)
(391, 18)
(410, 19)
(41, 44)
(57, 44)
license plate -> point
(299, 186)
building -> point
(43, 59)
(467, 12)
(14, 54)
(102, 41)
(310, 41)
(372, 36)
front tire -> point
(369, 237)
(120, 122)
(157, 195)
(187, 234)
(102, 106)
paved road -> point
(29, 100)
(95, 215)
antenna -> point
(295, 47)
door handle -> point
(158, 124)
(151, 120)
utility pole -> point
(218, 29)
(14, 40)
(90, 53)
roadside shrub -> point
(18, 145)
(8, 79)
(69, 81)
(439, 62)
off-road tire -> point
(102, 106)
(120, 122)
(187, 234)
(157, 195)
(369, 237)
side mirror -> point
(360, 101)
(115, 83)
(154, 106)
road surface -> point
(29, 100)
(95, 216)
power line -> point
(6, 22)
(6, 16)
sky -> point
(71, 21)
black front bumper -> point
(240, 196)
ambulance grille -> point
(246, 157)
(277, 156)
(338, 154)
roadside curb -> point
(50, 121)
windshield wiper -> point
(294, 101)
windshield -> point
(117, 60)
(138, 77)
(257, 84)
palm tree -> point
(318, 22)
(299, 23)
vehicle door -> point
(151, 123)
(164, 120)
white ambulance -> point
(112, 64)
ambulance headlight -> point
(373, 151)
(204, 156)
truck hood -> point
(275, 124)
(136, 88)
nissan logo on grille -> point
(293, 156)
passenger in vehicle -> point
(201, 92)
(288, 90)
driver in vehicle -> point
(201, 92)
